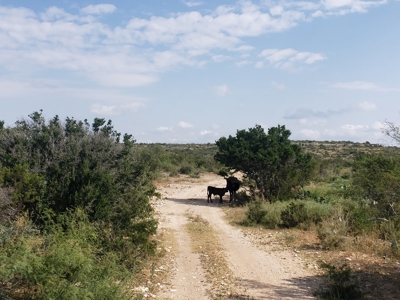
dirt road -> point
(254, 272)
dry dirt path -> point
(257, 273)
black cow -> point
(215, 191)
(232, 185)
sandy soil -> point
(259, 273)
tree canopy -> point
(276, 165)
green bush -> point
(332, 231)
(305, 213)
(87, 194)
(294, 214)
(265, 214)
(66, 262)
(377, 178)
(186, 170)
(340, 284)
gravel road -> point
(259, 273)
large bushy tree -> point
(276, 165)
(54, 166)
(87, 193)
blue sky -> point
(192, 71)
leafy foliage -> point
(340, 284)
(275, 164)
(378, 179)
(81, 188)
(172, 159)
(304, 214)
(63, 263)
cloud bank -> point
(136, 53)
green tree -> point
(56, 166)
(377, 178)
(275, 164)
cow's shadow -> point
(199, 202)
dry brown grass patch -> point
(235, 215)
(206, 243)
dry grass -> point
(205, 242)
(235, 215)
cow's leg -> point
(230, 196)
(220, 199)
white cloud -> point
(122, 79)
(221, 90)
(347, 129)
(363, 86)
(352, 131)
(318, 14)
(185, 125)
(54, 13)
(288, 58)
(164, 128)
(244, 48)
(220, 58)
(98, 9)
(103, 110)
(348, 6)
(204, 132)
(132, 107)
(312, 122)
(49, 89)
(378, 125)
(243, 63)
(310, 134)
(136, 53)
(112, 110)
(276, 10)
(367, 106)
(193, 3)
(303, 5)
(259, 64)
(315, 117)
(279, 86)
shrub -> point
(64, 263)
(81, 188)
(305, 213)
(377, 178)
(265, 214)
(185, 170)
(331, 232)
(287, 214)
(294, 214)
(339, 284)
